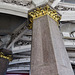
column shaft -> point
(48, 56)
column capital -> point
(6, 54)
(42, 11)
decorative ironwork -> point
(18, 2)
(41, 11)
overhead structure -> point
(55, 3)
(13, 9)
(67, 15)
(39, 2)
(21, 10)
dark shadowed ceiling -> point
(8, 23)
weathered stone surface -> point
(3, 66)
(49, 56)
(4, 62)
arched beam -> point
(39, 2)
(55, 3)
(23, 60)
(18, 69)
(13, 9)
(21, 49)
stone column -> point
(4, 62)
(48, 56)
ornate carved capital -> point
(42, 11)
(6, 54)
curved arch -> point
(18, 69)
(13, 9)
(23, 60)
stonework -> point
(49, 56)
(3, 66)
(4, 62)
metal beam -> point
(21, 49)
(18, 37)
(67, 5)
(18, 69)
(67, 15)
(39, 2)
(71, 54)
(22, 60)
(55, 3)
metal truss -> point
(18, 69)
(21, 60)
